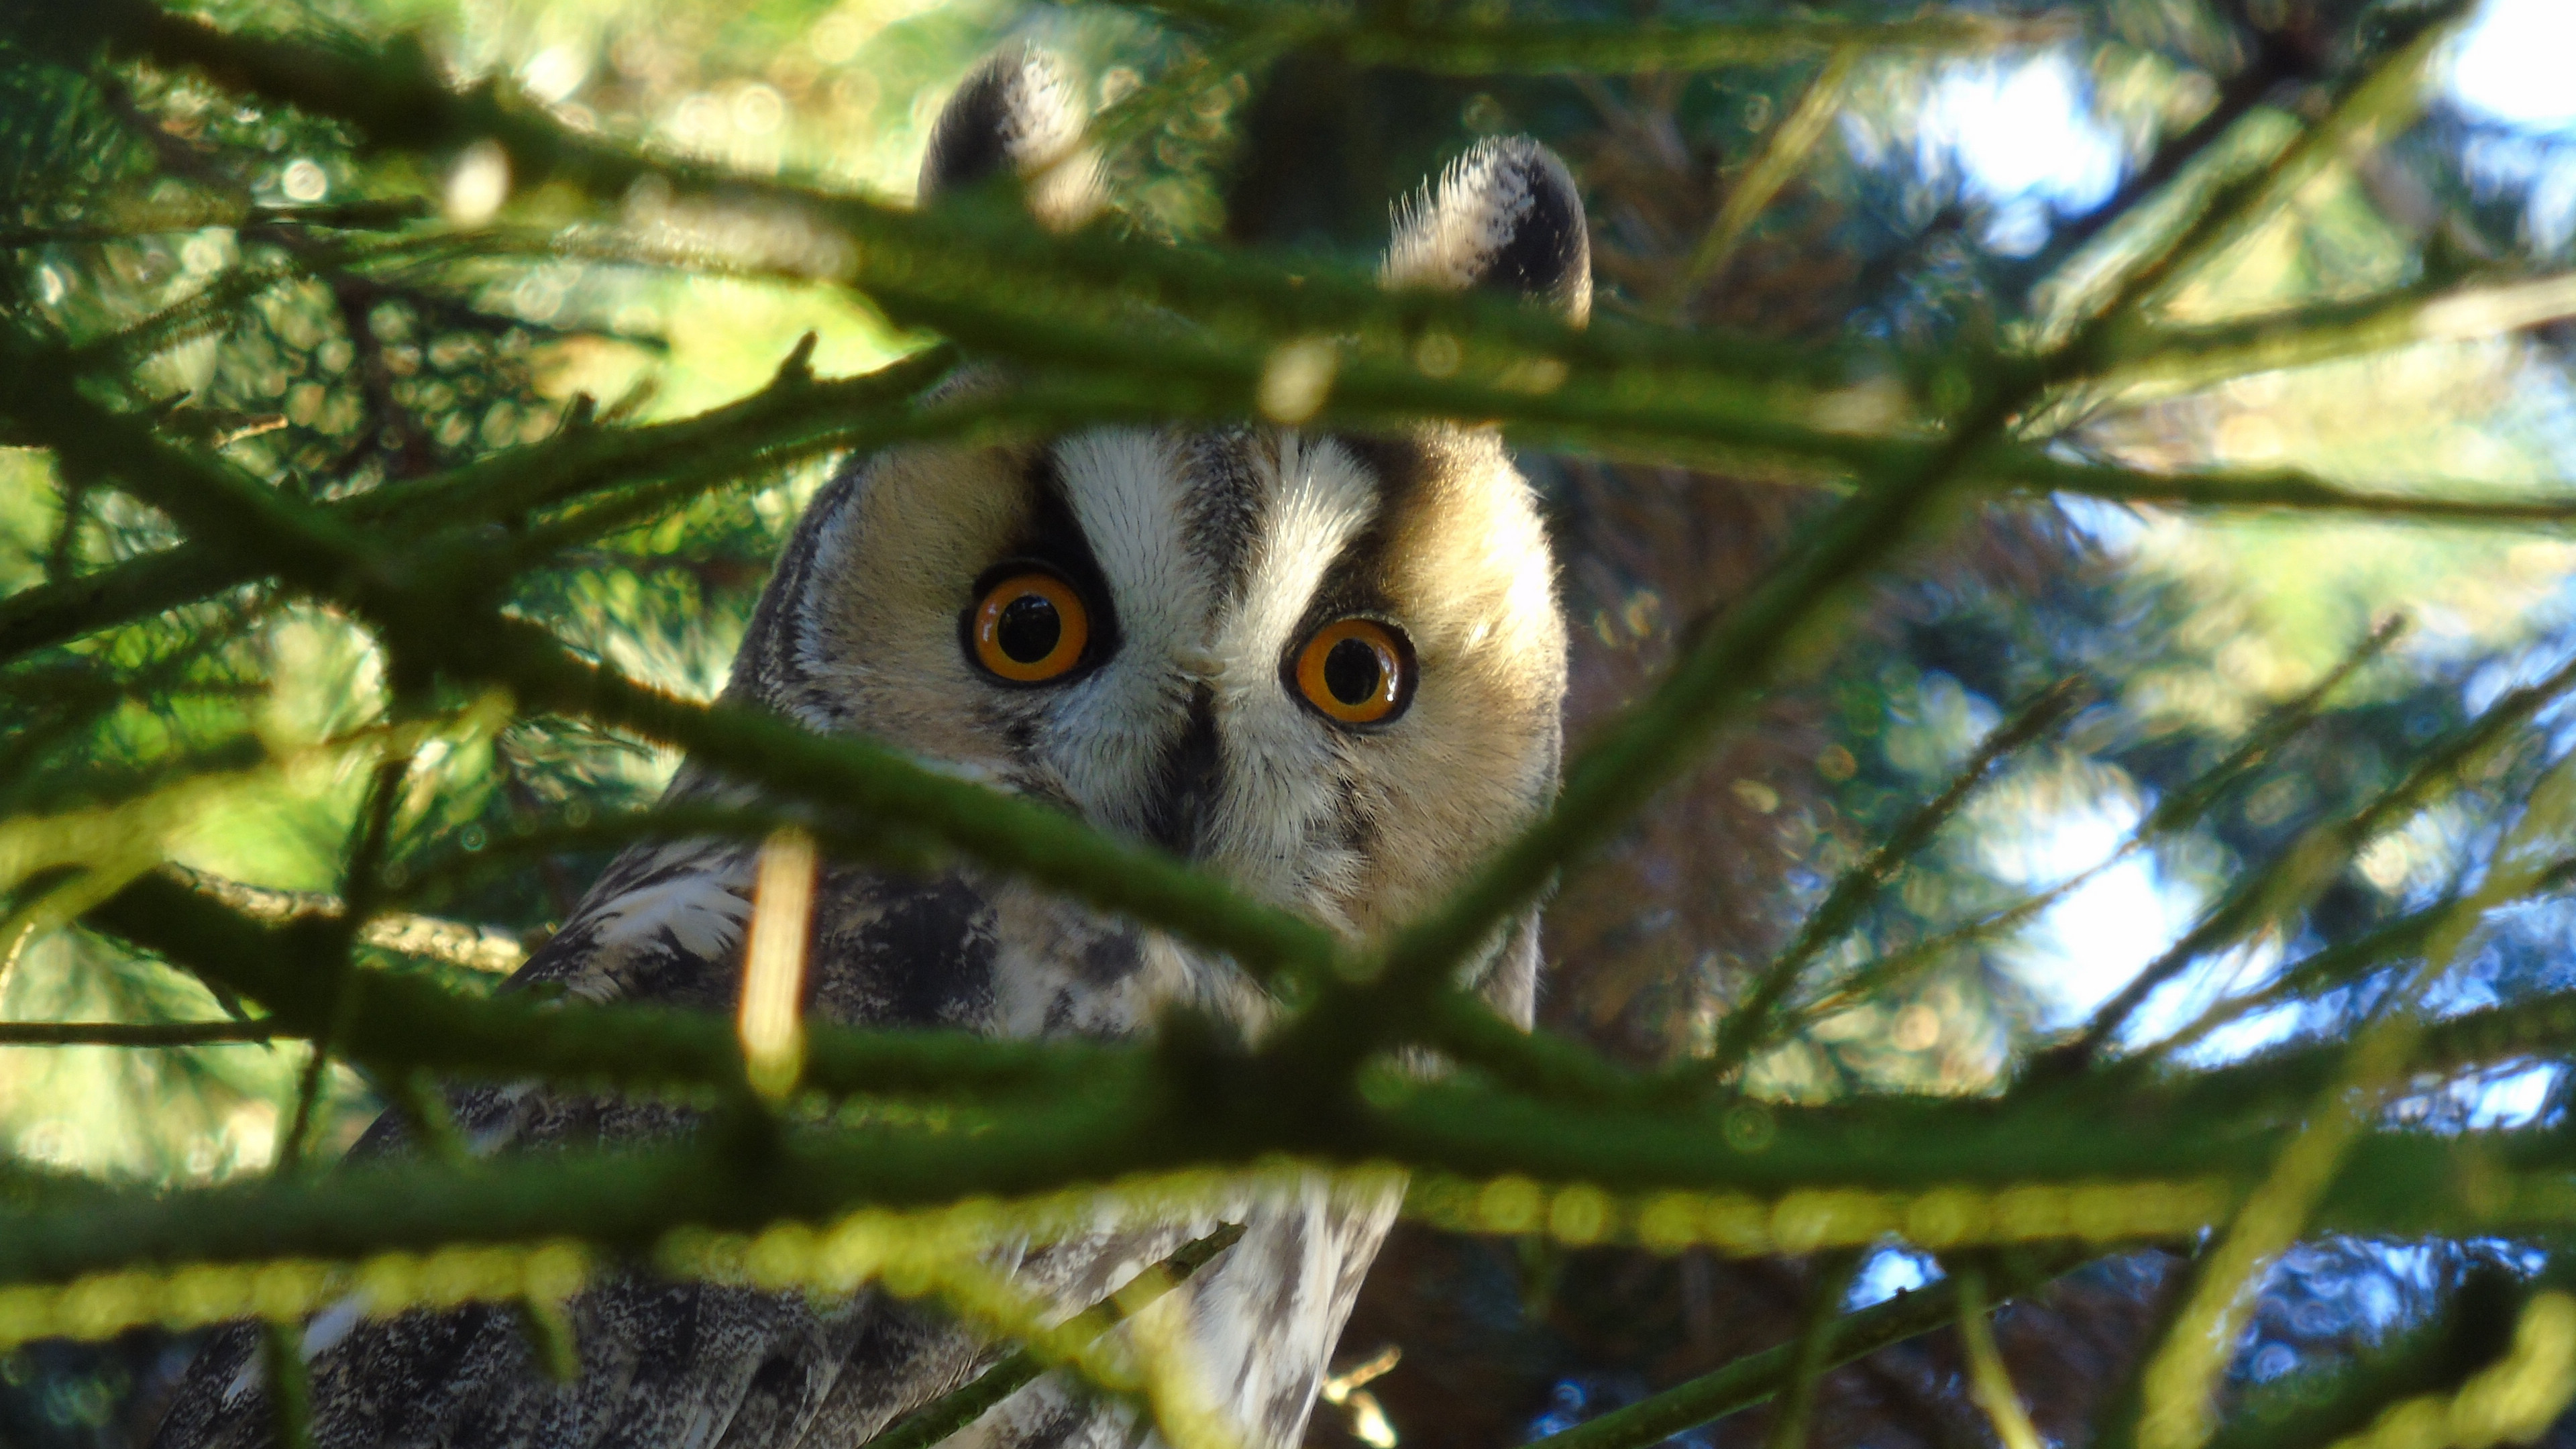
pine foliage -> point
(360, 590)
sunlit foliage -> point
(2070, 809)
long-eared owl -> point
(1325, 668)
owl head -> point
(1326, 667)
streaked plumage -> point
(1201, 560)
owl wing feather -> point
(663, 1363)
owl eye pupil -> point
(1029, 628)
(1353, 671)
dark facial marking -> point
(1224, 503)
(1399, 465)
(1054, 537)
(1192, 772)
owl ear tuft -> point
(1505, 217)
(1018, 114)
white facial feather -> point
(813, 649)
(1126, 490)
(1316, 499)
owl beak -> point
(1192, 773)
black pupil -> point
(1029, 628)
(1353, 672)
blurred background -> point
(1926, 194)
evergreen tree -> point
(400, 406)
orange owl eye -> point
(1356, 671)
(1029, 628)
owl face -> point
(1327, 668)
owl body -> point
(1327, 669)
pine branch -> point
(2175, 358)
(1832, 1275)
(792, 420)
(1156, 1150)
(963, 1405)
(2177, 811)
(1740, 650)
(135, 1034)
(1757, 1378)
(1779, 160)
(407, 1021)
(1590, 47)
(426, 603)
(2342, 965)
(2393, 1182)
(2295, 876)
(1841, 908)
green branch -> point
(2370, 104)
(2342, 965)
(2290, 880)
(1841, 908)
(2175, 358)
(1829, 1278)
(623, 1200)
(136, 1034)
(1092, 1125)
(397, 1019)
(2175, 812)
(1598, 47)
(965, 259)
(396, 97)
(427, 606)
(1783, 613)
(963, 1405)
(138, 588)
(626, 1200)
(2281, 490)
(794, 419)
(1758, 1377)
(401, 1020)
